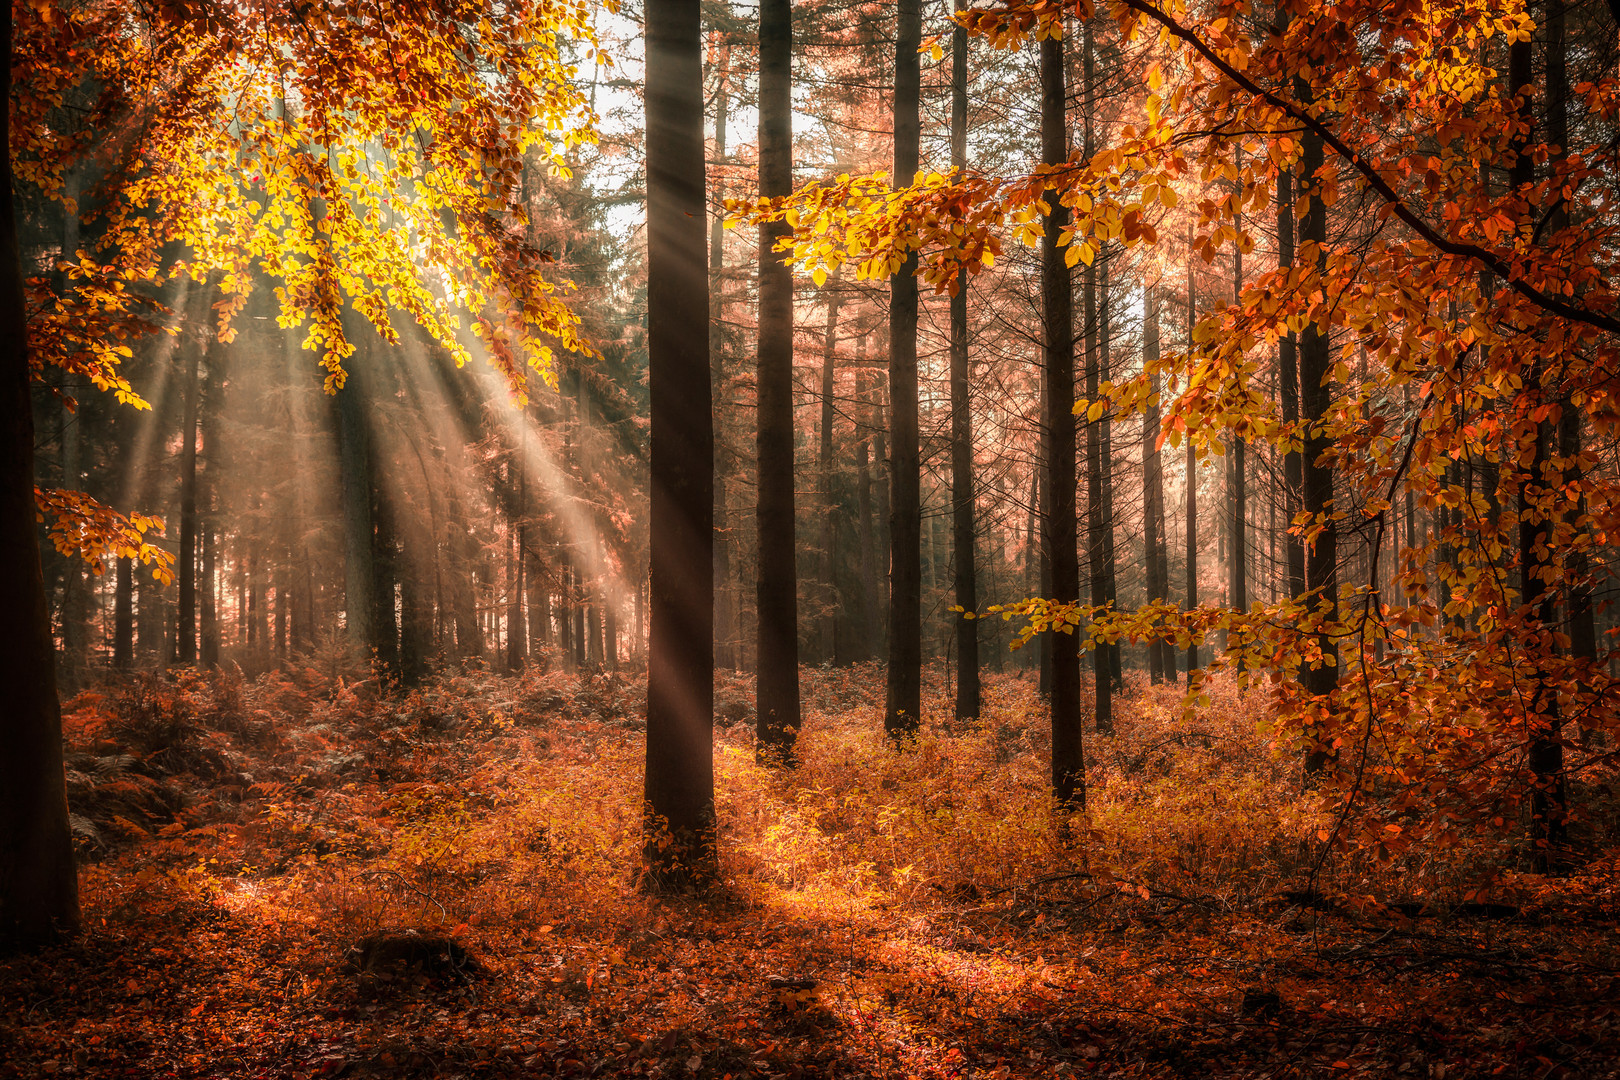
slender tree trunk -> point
(968, 704)
(517, 639)
(185, 650)
(827, 632)
(39, 890)
(777, 601)
(725, 596)
(213, 391)
(1538, 563)
(1238, 566)
(904, 705)
(354, 470)
(1116, 661)
(1321, 558)
(1160, 660)
(124, 616)
(1192, 469)
(679, 851)
(1059, 524)
(1288, 391)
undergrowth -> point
(921, 912)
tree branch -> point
(1484, 256)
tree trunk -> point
(39, 890)
(1192, 469)
(904, 702)
(725, 595)
(1538, 569)
(870, 637)
(827, 629)
(1321, 559)
(124, 616)
(1288, 391)
(185, 645)
(679, 851)
(968, 693)
(1161, 662)
(354, 470)
(1238, 561)
(213, 391)
(1059, 524)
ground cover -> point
(305, 875)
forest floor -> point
(881, 914)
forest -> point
(838, 538)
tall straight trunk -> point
(1116, 659)
(679, 851)
(777, 601)
(213, 390)
(1096, 526)
(517, 638)
(1192, 468)
(539, 596)
(1161, 662)
(1288, 391)
(1059, 524)
(968, 694)
(610, 631)
(1537, 562)
(1321, 558)
(74, 608)
(725, 595)
(39, 887)
(904, 705)
(880, 516)
(124, 616)
(354, 471)
(185, 646)
(565, 615)
(1238, 565)
(385, 571)
(1571, 439)
(828, 629)
(870, 637)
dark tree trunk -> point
(185, 645)
(1321, 559)
(39, 890)
(124, 616)
(968, 704)
(354, 469)
(871, 613)
(1538, 563)
(1288, 391)
(1238, 551)
(1192, 470)
(679, 797)
(827, 629)
(904, 703)
(213, 391)
(1059, 525)
(1097, 523)
(1160, 660)
(777, 600)
(1116, 660)
(725, 594)
(517, 640)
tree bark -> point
(679, 848)
(903, 706)
(1059, 524)
(185, 644)
(725, 595)
(354, 470)
(827, 630)
(1161, 662)
(777, 600)
(39, 889)
(1321, 558)
(1192, 469)
(1288, 391)
(968, 693)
